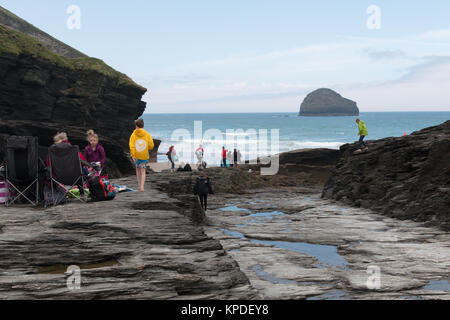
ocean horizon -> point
(294, 132)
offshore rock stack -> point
(327, 103)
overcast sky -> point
(263, 56)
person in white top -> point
(199, 154)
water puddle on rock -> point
(267, 214)
(229, 207)
(233, 233)
(442, 285)
(327, 256)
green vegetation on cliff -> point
(18, 43)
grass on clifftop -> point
(17, 43)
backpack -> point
(58, 196)
(101, 189)
(187, 167)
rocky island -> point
(327, 103)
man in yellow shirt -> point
(141, 142)
(362, 132)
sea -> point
(262, 134)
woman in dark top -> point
(202, 188)
(94, 152)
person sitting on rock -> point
(362, 132)
(61, 137)
(94, 152)
(202, 188)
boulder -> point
(326, 102)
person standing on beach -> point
(230, 158)
(199, 154)
(362, 132)
(141, 142)
(238, 158)
(235, 158)
(171, 156)
(202, 188)
(224, 157)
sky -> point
(201, 56)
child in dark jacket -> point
(202, 188)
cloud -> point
(410, 71)
(439, 35)
(385, 54)
(424, 87)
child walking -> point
(202, 188)
(141, 142)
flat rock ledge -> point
(138, 246)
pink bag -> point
(3, 192)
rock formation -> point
(406, 177)
(42, 92)
(139, 246)
(12, 21)
(326, 102)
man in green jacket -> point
(362, 132)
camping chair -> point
(22, 168)
(65, 168)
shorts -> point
(141, 163)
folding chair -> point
(22, 168)
(65, 168)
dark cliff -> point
(12, 21)
(406, 177)
(42, 92)
(326, 102)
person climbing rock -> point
(202, 188)
(362, 132)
